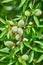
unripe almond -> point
(20, 31)
(25, 39)
(9, 8)
(27, 13)
(38, 12)
(30, 23)
(21, 23)
(14, 29)
(8, 43)
(17, 37)
(25, 57)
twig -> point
(28, 51)
(27, 19)
(34, 2)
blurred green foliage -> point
(11, 11)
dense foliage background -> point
(28, 49)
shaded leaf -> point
(17, 63)
(40, 58)
(16, 49)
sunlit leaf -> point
(5, 50)
(21, 4)
(38, 42)
(6, 1)
(31, 56)
(2, 20)
(36, 20)
(27, 44)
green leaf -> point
(38, 5)
(38, 42)
(16, 49)
(21, 61)
(17, 63)
(16, 19)
(36, 20)
(3, 58)
(37, 49)
(10, 63)
(3, 33)
(31, 56)
(5, 50)
(21, 4)
(27, 45)
(33, 30)
(40, 26)
(8, 34)
(21, 47)
(2, 28)
(6, 1)
(2, 20)
(25, 5)
(24, 63)
(30, 5)
(41, 19)
(40, 58)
